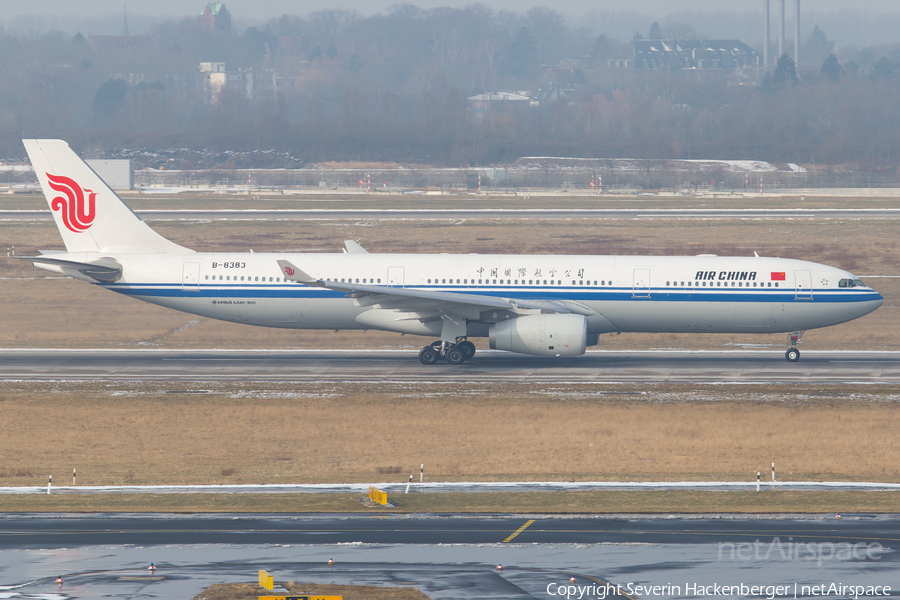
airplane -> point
(545, 305)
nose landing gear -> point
(455, 354)
(792, 354)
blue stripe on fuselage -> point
(528, 292)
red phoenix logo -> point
(77, 215)
(289, 271)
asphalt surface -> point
(447, 557)
(487, 366)
(65, 531)
(492, 214)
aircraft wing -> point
(424, 301)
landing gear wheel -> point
(456, 355)
(468, 347)
(792, 354)
(429, 355)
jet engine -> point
(544, 335)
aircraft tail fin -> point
(89, 215)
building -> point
(641, 55)
(118, 174)
(255, 84)
(507, 102)
(215, 16)
(560, 83)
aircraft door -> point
(641, 283)
(395, 276)
(190, 277)
(803, 285)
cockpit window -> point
(851, 283)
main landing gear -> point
(792, 354)
(455, 354)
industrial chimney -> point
(797, 34)
(781, 31)
(766, 38)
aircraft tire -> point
(428, 355)
(468, 347)
(456, 355)
(792, 355)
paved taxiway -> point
(486, 367)
(493, 214)
(447, 556)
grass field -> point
(530, 503)
(148, 433)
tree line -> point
(394, 86)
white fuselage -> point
(706, 294)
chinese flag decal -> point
(778, 276)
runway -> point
(63, 531)
(344, 366)
(492, 214)
(445, 556)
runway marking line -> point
(519, 530)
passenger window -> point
(207, 277)
(228, 278)
(278, 280)
(379, 280)
(776, 284)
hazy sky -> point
(264, 9)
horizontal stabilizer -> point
(106, 270)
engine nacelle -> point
(544, 335)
